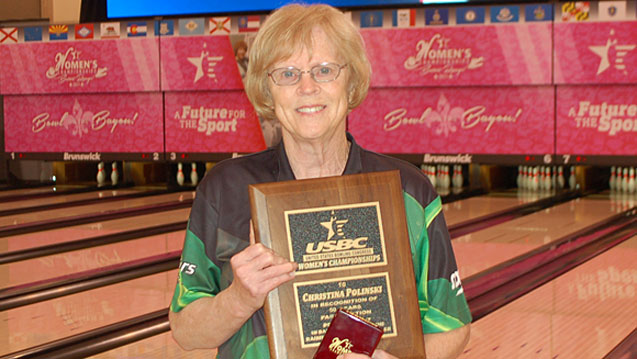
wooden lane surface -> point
(58, 265)
(39, 323)
(480, 250)
(88, 230)
(582, 314)
(474, 207)
(91, 208)
(60, 198)
(36, 190)
(158, 346)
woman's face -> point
(309, 110)
(241, 53)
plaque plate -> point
(349, 236)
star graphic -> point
(329, 226)
(602, 52)
(198, 62)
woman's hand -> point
(378, 354)
(257, 270)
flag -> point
(193, 26)
(8, 35)
(538, 12)
(84, 31)
(58, 32)
(109, 30)
(249, 23)
(403, 18)
(33, 33)
(372, 18)
(470, 15)
(136, 29)
(219, 25)
(611, 10)
(436, 16)
(509, 13)
(576, 11)
(164, 28)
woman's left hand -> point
(378, 354)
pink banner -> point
(198, 63)
(478, 120)
(209, 122)
(597, 120)
(460, 55)
(596, 52)
(123, 65)
(84, 123)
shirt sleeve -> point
(441, 299)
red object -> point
(348, 333)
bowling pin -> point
(101, 176)
(457, 176)
(180, 174)
(432, 175)
(560, 177)
(613, 176)
(536, 178)
(114, 174)
(446, 179)
(519, 179)
(631, 180)
(624, 182)
(572, 182)
(547, 178)
(194, 178)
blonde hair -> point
(288, 30)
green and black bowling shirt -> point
(219, 227)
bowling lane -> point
(52, 190)
(88, 230)
(158, 346)
(582, 314)
(38, 323)
(66, 198)
(93, 208)
(482, 249)
(57, 265)
(474, 207)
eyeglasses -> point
(287, 76)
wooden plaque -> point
(349, 236)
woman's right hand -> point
(257, 270)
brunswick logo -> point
(205, 64)
(612, 53)
(436, 57)
(71, 68)
(334, 237)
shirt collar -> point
(352, 166)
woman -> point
(308, 70)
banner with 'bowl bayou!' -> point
(515, 54)
(120, 123)
(211, 122)
(599, 120)
(479, 120)
(122, 65)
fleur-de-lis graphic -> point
(445, 116)
(79, 121)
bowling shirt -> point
(219, 227)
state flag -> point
(611, 10)
(249, 23)
(403, 18)
(436, 17)
(220, 25)
(84, 31)
(110, 30)
(8, 35)
(372, 18)
(164, 28)
(509, 13)
(136, 29)
(470, 15)
(189, 27)
(576, 11)
(33, 33)
(58, 32)
(538, 12)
